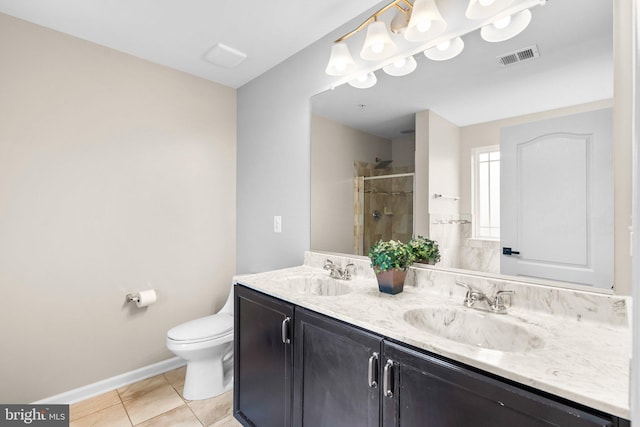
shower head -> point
(381, 164)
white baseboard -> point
(100, 387)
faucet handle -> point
(470, 298)
(497, 306)
(347, 272)
(328, 264)
(464, 285)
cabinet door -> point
(263, 359)
(429, 392)
(334, 364)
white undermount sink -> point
(317, 285)
(476, 328)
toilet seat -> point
(202, 329)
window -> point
(486, 192)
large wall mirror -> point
(411, 155)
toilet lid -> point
(201, 329)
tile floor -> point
(156, 401)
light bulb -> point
(486, 2)
(340, 66)
(443, 46)
(424, 25)
(502, 22)
(377, 47)
(401, 66)
(362, 78)
(400, 62)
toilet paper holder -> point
(133, 298)
(143, 298)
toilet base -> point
(207, 378)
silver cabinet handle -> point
(373, 371)
(285, 330)
(387, 385)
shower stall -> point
(383, 209)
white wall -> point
(634, 389)
(116, 175)
(622, 137)
(444, 164)
(334, 148)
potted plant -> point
(390, 260)
(424, 250)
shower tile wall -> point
(388, 210)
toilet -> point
(207, 346)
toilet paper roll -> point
(146, 298)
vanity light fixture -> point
(445, 50)
(400, 21)
(378, 44)
(341, 61)
(425, 23)
(485, 9)
(418, 26)
(506, 27)
(401, 67)
(364, 81)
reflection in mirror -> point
(440, 127)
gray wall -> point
(274, 115)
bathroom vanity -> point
(315, 351)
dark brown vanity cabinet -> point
(426, 391)
(336, 370)
(263, 359)
(315, 371)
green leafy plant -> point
(390, 254)
(424, 250)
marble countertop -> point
(585, 361)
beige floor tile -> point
(176, 376)
(135, 390)
(179, 417)
(153, 403)
(227, 422)
(114, 416)
(94, 404)
(212, 410)
(176, 379)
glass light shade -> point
(340, 62)
(401, 67)
(378, 44)
(425, 23)
(484, 9)
(446, 50)
(515, 26)
(364, 81)
(399, 22)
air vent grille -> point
(520, 55)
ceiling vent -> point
(520, 55)
(225, 56)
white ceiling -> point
(178, 33)
(574, 38)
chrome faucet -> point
(495, 304)
(337, 273)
